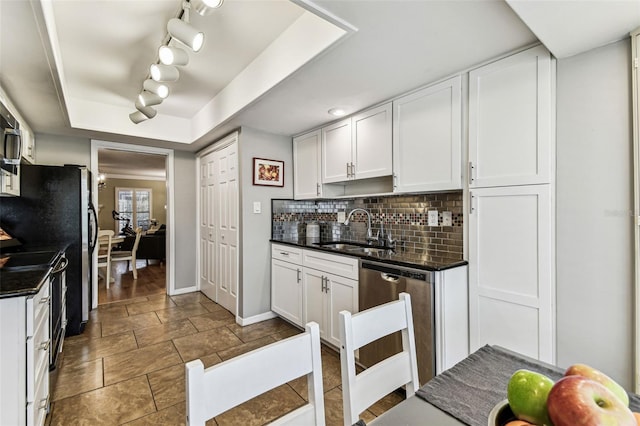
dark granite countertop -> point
(25, 278)
(398, 256)
(22, 283)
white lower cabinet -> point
(24, 358)
(327, 295)
(309, 285)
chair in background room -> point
(221, 387)
(129, 255)
(362, 390)
(104, 252)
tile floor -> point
(128, 365)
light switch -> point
(447, 219)
(257, 207)
(341, 216)
(432, 218)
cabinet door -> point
(427, 142)
(371, 142)
(207, 226)
(336, 152)
(315, 307)
(511, 286)
(341, 295)
(306, 166)
(510, 120)
(28, 145)
(286, 290)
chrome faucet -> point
(370, 237)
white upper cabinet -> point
(306, 166)
(510, 120)
(371, 143)
(358, 147)
(427, 142)
(28, 145)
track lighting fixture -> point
(160, 72)
(185, 34)
(153, 86)
(169, 57)
(205, 7)
(147, 111)
(173, 56)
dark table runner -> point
(470, 389)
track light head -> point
(173, 55)
(160, 72)
(185, 34)
(137, 117)
(205, 7)
(146, 110)
(147, 98)
(153, 86)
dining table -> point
(466, 393)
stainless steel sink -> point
(367, 250)
(340, 246)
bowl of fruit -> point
(583, 396)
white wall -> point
(255, 263)
(60, 150)
(594, 205)
(186, 219)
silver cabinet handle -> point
(322, 281)
(44, 345)
(284, 253)
(44, 403)
(471, 208)
(348, 171)
(299, 278)
(395, 181)
(318, 189)
(472, 170)
(45, 300)
(353, 170)
(326, 284)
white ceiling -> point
(81, 77)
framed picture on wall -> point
(268, 172)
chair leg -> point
(135, 271)
(108, 274)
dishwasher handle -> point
(390, 278)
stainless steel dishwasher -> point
(381, 283)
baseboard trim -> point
(254, 319)
(177, 291)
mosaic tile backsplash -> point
(405, 217)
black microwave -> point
(11, 144)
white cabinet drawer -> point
(345, 266)
(38, 408)
(286, 253)
(37, 308)
(37, 356)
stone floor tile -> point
(120, 325)
(168, 386)
(211, 305)
(205, 343)
(76, 378)
(189, 298)
(82, 350)
(167, 331)
(134, 363)
(387, 402)
(106, 313)
(111, 405)
(260, 329)
(245, 347)
(173, 416)
(262, 409)
(149, 306)
(180, 312)
(212, 320)
(331, 375)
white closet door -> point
(207, 226)
(226, 204)
(511, 286)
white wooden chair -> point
(104, 252)
(221, 387)
(360, 391)
(129, 255)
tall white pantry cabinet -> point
(511, 190)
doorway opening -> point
(133, 192)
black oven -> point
(11, 144)
(57, 313)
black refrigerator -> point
(54, 210)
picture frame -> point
(268, 172)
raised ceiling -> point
(74, 67)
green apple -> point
(593, 374)
(527, 393)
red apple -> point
(600, 377)
(576, 400)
